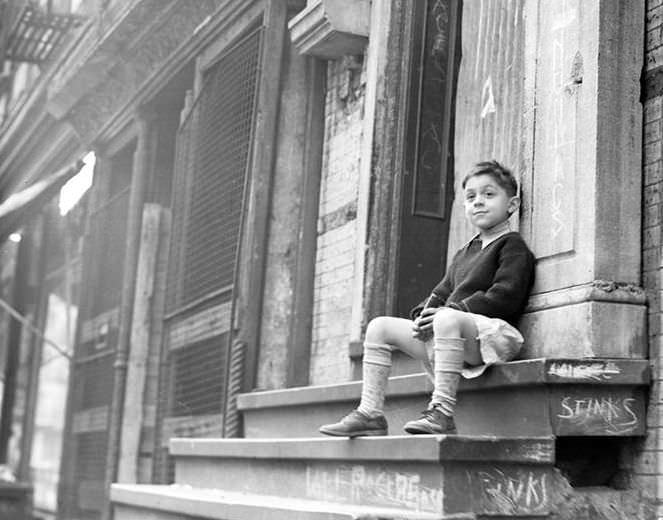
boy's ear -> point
(514, 204)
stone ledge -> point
(508, 375)
(225, 505)
(420, 448)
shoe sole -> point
(361, 433)
(417, 430)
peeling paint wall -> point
(334, 279)
(284, 228)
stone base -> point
(542, 397)
(586, 329)
(431, 474)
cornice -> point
(152, 53)
(211, 29)
(100, 50)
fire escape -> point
(29, 33)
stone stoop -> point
(426, 474)
(501, 466)
(423, 477)
(153, 502)
(537, 397)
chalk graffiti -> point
(558, 148)
(609, 414)
(358, 484)
(557, 199)
(502, 493)
(440, 15)
(487, 98)
(596, 371)
(540, 451)
(561, 125)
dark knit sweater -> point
(494, 281)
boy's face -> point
(487, 203)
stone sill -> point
(421, 448)
(540, 371)
(330, 29)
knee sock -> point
(449, 354)
(376, 367)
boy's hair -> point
(503, 176)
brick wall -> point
(337, 223)
(648, 467)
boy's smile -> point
(487, 204)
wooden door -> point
(427, 190)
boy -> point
(466, 323)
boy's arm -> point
(436, 299)
(510, 288)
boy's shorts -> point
(498, 342)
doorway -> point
(428, 175)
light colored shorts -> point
(498, 342)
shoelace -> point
(356, 413)
(429, 412)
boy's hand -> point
(422, 327)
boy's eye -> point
(469, 196)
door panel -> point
(428, 176)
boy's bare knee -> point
(377, 330)
(448, 322)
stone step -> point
(537, 397)
(441, 475)
(152, 502)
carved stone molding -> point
(98, 50)
(330, 29)
(597, 291)
(148, 43)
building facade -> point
(272, 174)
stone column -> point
(144, 121)
(584, 186)
(285, 344)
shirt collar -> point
(494, 233)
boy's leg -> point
(455, 342)
(382, 336)
(376, 366)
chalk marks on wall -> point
(491, 489)
(359, 484)
(598, 415)
(517, 492)
(591, 371)
(487, 98)
(556, 130)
